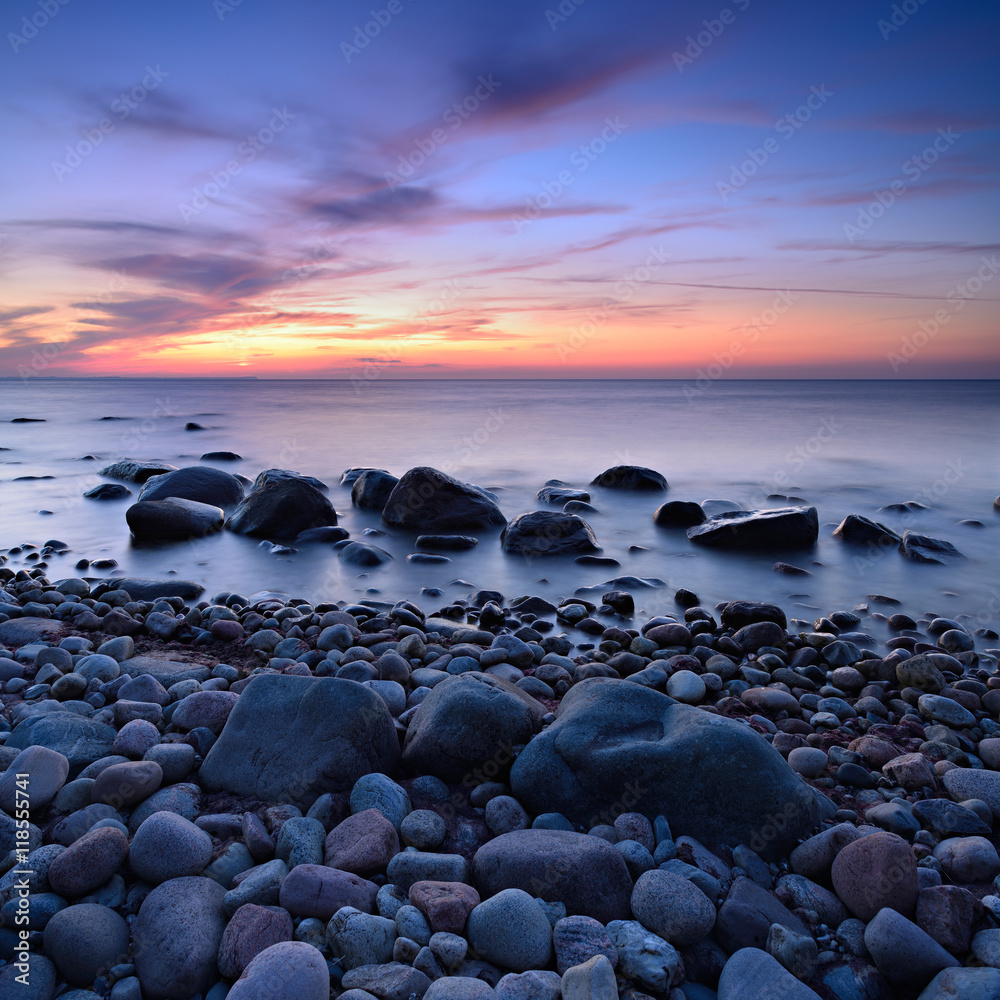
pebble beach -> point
(256, 795)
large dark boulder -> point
(292, 739)
(548, 533)
(427, 500)
(172, 520)
(860, 530)
(197, 482)
(140, 589)
(736, 614)
(363, 554)
(271, 476)
(282, 509)
(679, 514)
(136, 472)
(586, 873)
(780, 528)
(630, 477)
(618, 746)
(470, 723)
(79, 739)
(926, 548)
(372, 489)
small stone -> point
(672, 907)
(423, 829)
(168, 846)
(360, 938)
(511, 930)
(591, 980)
(84, 941)
(968, 859)
(318, 891)
(810, 762)
(290, 970)
(446, 905)
(907, 956)
(251, 930)
(88, 863)
(642, 955)
(578, 939)
(875, 872)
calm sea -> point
(841, 445)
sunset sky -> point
(449, 188)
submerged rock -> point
(925, 548)
(781, 528)
(630, 477)
(548, 533)
(860, 530)
(136, 472)
(173, 519)
(282, 509)
(372, 489)
(197, 482)
(427, 500)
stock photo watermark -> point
(580, 160)
(712, 29)
(899, 14)
(624, 290)
(366, 33)
(121, 107)
(749, 333)
(929, 327)
(786, 127)
(47, 9)
(455, 117)
(912, 170)
(248, 151)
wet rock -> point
(875, 872)
(751, 974)
(282, 510)
(136, 472)
(426, 500)
(199, 483)
(548, 533)
(167, 846)
(860, 530)
(108, 491)
(371, 490)
(780, 528)
(679, 514)
(630, 477)
(924, 548)
(172, 520)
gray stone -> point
(323, 733)
(80, 740)
(925, 548)
(378, 791)
(84, 941)
(470, 722)
(172, 520)
(672, 907)
(88, 862)
(643, 956)
(907, 956)
(199, 483)
(176, 938)
(261, 885)
(534, 985)
(963, 984)
(511, 930)
(578, 939)
(37, 979)
(961, 783)
(289, 970)
(133, 471)
(630, 477)
(591, 980)
(752, 974)
(166, 671)
(281, 510)
(586, 873)
(608, 728)
(459, 988)
(167, 846)
(358, 938)
(46, 772)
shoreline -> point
(695, 737)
